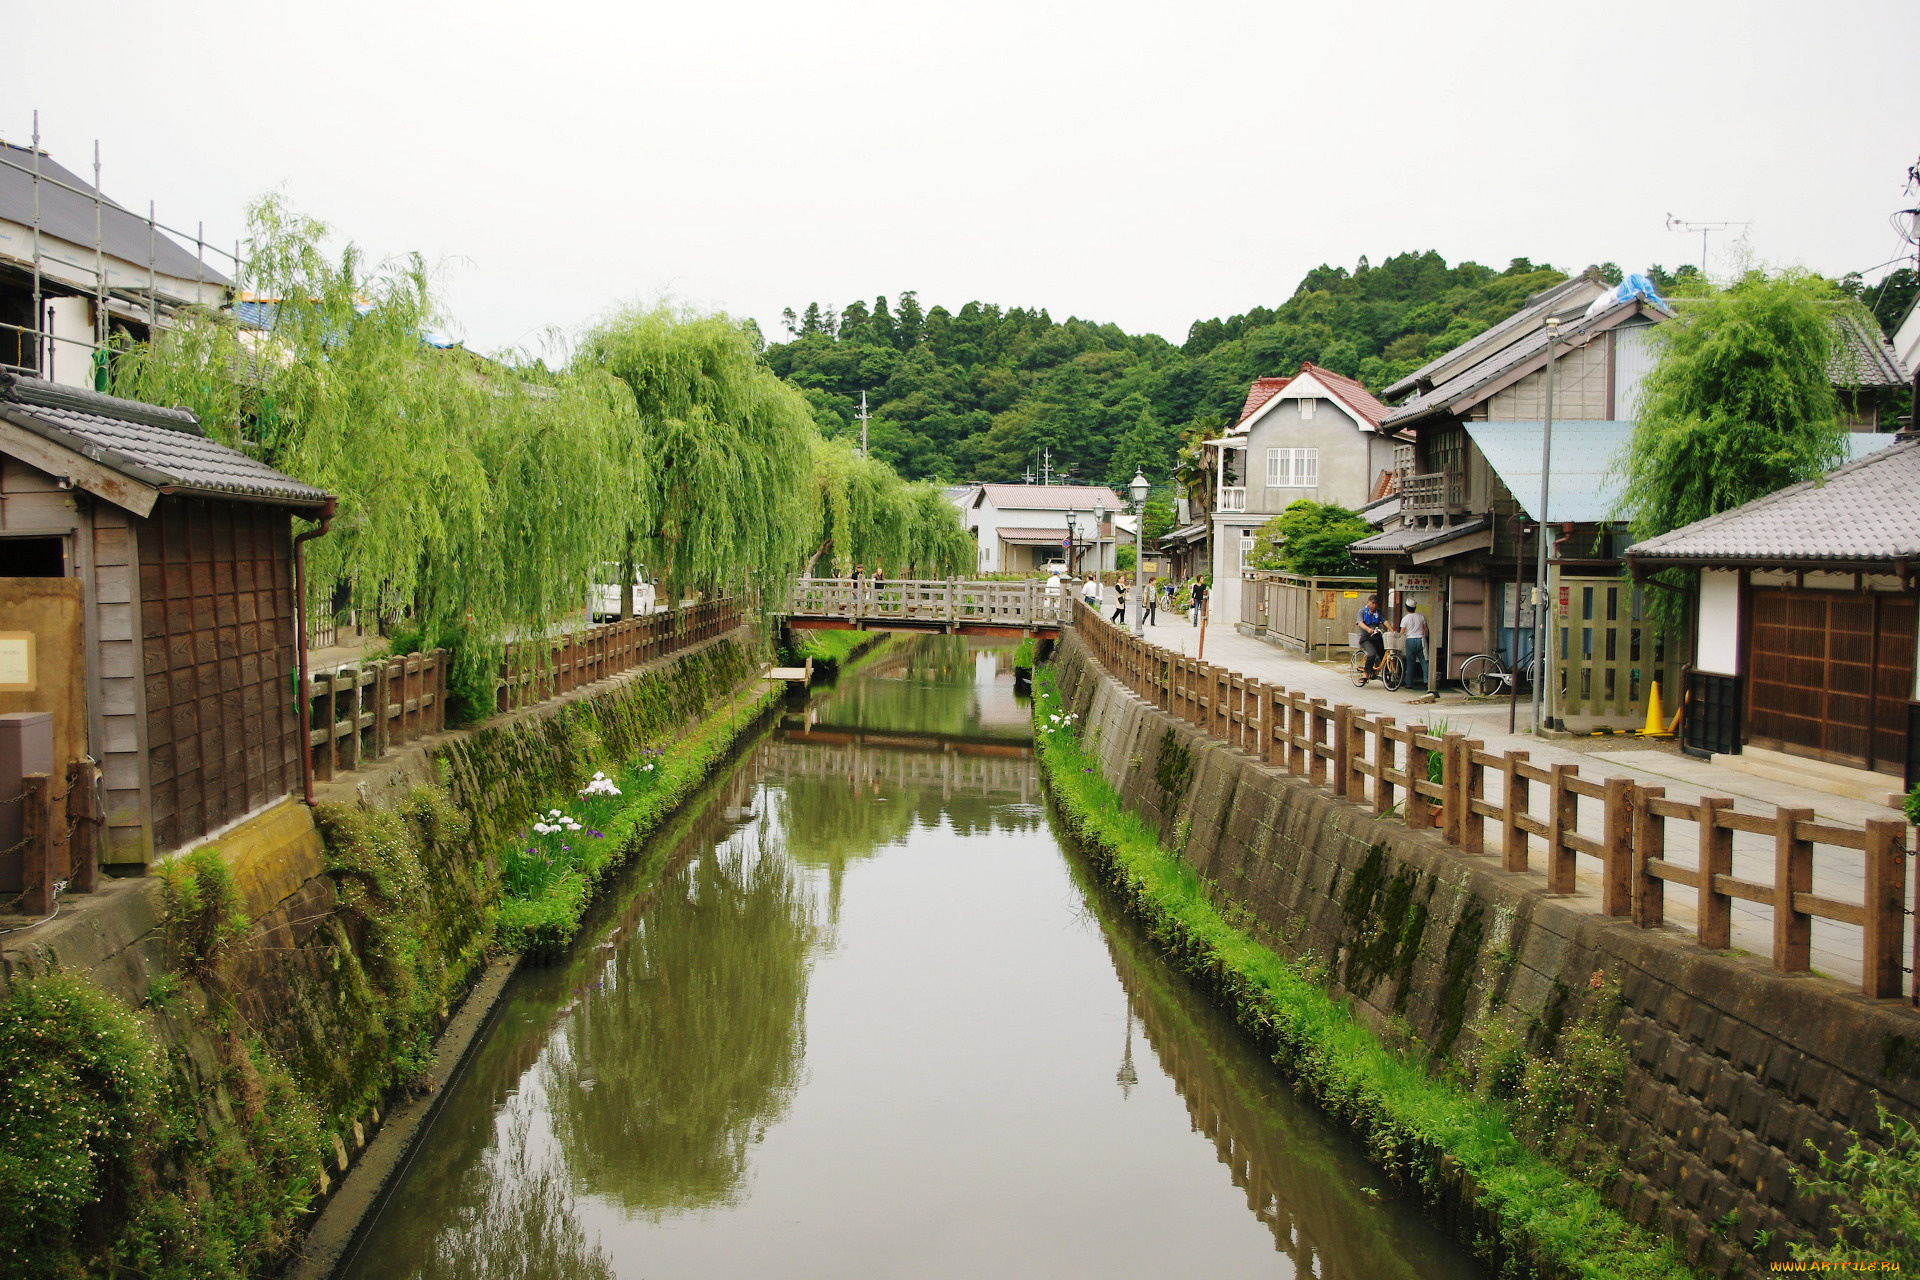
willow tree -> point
(870, 517)
(476, 500)
(723, 455)
(1739, 404)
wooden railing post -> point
(1886, 915)
(1419, 807)
(1792, 873)
(1513, 807)
(83, 844)
(1648, 891)
(383, 740)
(1715, 913)
(1617, 837)
(1343, 774)
(1473, 823)
(36, 849)
(1453, 786)
(1317, 724)
(1383, 756)
(1563, 816)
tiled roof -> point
(155, 446)
(1262, 390)
(1864, 512)
(1501, 362)
(66, 213)
(1356, 397)
(1863, 359)
(1413, 537)
(1051, 497)
(1572, 293)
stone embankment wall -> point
(1736, 1074)
(368, 915)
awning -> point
(1036, 537)
(1184, 536)
(1426, 543)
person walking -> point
(1413, 624)
(1120, 601)
(1372, 642)
(1199, 600)
(1151, 602)
(1090, 592)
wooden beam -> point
(83, 472)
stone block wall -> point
(1736, 1074)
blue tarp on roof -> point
(1585, 488)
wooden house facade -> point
(181, 552)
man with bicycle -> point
(1371, 640)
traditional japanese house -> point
(173, 664)
(1472, 431)
(1804, 660)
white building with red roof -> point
(1314, 435)
(1020, 528)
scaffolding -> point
(37, 345)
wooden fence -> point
(59, 845)
(1025, 603)
(1371, 760)
(363, 711)
(1310, 614)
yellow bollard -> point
(1656, 722)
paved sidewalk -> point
(1837, 873)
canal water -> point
(876, 1022)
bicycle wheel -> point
(1359, 667)
(1480, 675)
(1393, 671)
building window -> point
(1307, 405)
(1246, 550)
(1293, 468)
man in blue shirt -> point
(1372, 643)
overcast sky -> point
(1142, 164)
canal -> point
(876, 1022)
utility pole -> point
(862, 416)
(1046, 465)
(1542, 666)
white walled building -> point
(1020, 528)
(1314, 435)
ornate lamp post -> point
(1139, 489)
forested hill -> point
(977, 393)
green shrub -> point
(1912, 805)
(205, 920)
(1877, 1190)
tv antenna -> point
(1705, 229)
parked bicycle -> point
(1485, 674)
(1392, 669)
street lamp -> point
(1139, 488)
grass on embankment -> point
(550, 874)
(1409, 1121)
(833, 651)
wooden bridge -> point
(1028, 608)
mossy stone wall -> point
(1735, 1074)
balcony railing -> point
(1233, 499)
(1435, 493)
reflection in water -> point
(868, 1026)
(691, 1047)
(1327, 1209)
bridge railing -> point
(1369, 759)
(926, 601)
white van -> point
(604, 602)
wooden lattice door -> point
(1831, 675)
